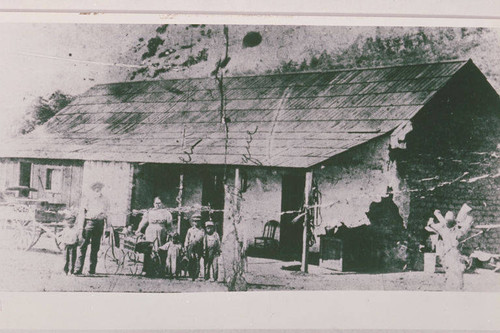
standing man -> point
(94, 213)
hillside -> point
(192, 51)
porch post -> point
(305, 247)
(237, 188)
(179, 202)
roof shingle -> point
(289, 120)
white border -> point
(171, 18)
(385, 8)
(255, 310)
(252, 310)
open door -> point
(292, 199)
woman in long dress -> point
(154, 226)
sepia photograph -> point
(180, 158)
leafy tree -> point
(44, 109)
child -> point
(70, 238)
(194, 246)
(211, 247)
(183, 264)
(173, 255)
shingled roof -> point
(285, 120)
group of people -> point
(176, 258)
(199, 244)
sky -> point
(38, 59)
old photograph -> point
(202, 158)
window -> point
(48, 179)
(53, 180)
(24, 178)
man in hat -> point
(211, 251)
(93, 217)
(193, 244)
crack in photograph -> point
(203, 158)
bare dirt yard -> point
(41, 269)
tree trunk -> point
(233, 253)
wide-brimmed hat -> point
(97, 185)
(209, 223)
(196, 217)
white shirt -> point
(96, 207)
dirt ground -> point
(40, 269)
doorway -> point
(154, 180)
(213, 196)
(292, 199)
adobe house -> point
(384, 146)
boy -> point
(70, 238)
(194, 246)
(211, 249)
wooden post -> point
(179, 202)
(237, 188)
(305, 247)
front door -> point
(292, 199)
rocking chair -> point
(267, 239)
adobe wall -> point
(452, 158)
(260, 201)
(354, 180)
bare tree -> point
(233, 252)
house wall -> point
(117, 178)
(260, 201)
(9, 173)
(452, 158)
(348, 185)
(70, 181)
(352, 181)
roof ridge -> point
(291, 73)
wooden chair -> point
(267, 238)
